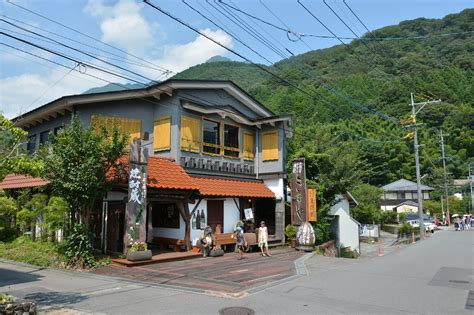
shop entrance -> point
(215, 213)
(265, 211)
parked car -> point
(429, 226)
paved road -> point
(431, 277)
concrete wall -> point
(348, 231)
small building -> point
(401, 191)
(215, 151)
(344, 226)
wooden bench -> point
(164, 242)
(224, 239)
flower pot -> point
(140, 255)
(293, 243)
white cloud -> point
(123, 25)
(15, 101)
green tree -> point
(13, 158)
(77, 164)
(55, 215)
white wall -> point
(276, 186)
(231, 216)
(348, 231)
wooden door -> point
(115, 226)
(215, 213)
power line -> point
(86, 35)
(121, 58)
(78, 50)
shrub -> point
(290, 232)
(7, 234)
(78, 249)
(388, 217)
(402, 217)
(39, 253)
(138, 247)
(405, 228)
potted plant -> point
(290, 233)
(139, 251)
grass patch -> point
(39, 253)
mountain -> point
(111, 87)
(217, 59)
(354, 97)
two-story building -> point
(212, 145)
(402, 196)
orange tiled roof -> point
(165, 173)
(218, 187)
(13, 181)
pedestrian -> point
(467, 222)
(240, 241)
(206, 241)
(263, 239)
(462, 224)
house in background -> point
(344, 226)
(402, 195)
(215, 151)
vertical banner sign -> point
(298, 192)
(311, 209)
(135, 213)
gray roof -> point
(404, 185)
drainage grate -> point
(236, 311)
(470, 301)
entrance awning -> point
(15, 181)
(218, 187)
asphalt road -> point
(431, 277)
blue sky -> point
(28, 82)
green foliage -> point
(346, 252)
(13, 157)
(56, 213)
(322, 228)
(6, 298)
(290, 232)
(405, 228)
(78, 162)
(388, 217)
(343, 143)
(402, 217)
(367, 194)
(367, 214)
(38, 253)
(138, 247)
(77, 248)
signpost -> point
(311, 210)
(135, 213)
(298, 192)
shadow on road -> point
(55, 299)
(10, 277)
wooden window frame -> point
(275, 131)
(243, 146)
(205, 144)
(165, 148)
(224, 147)
(197, 142)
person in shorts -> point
(263, 239)
(240, 243)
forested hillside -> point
(353, 97)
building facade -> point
(402, 196)
(229, 144)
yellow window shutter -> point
(249, 146)
(134, 128)
(162, 134)
(270, 145)
(190, 134)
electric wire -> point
(117, 57)
(86, 35)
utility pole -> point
(445, 177)
(471, 178)
(414, 112)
